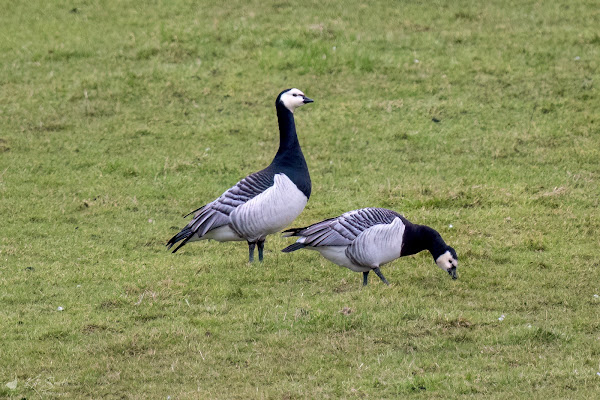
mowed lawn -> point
(481, 120)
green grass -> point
(118, 117)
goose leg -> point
(380, 275)
(251, 246)
(365, 278)
(261, 247)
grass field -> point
(117, 118)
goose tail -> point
(292, 232)
(293, 247)
(185, 235)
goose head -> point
(292, 99)
(448, 261)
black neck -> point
(288, 140)
(289, 158)
(420, 237)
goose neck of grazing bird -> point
(420, 237)
(289, 148)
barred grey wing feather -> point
(211, 218)
(343, 230)
(216, 214)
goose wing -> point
(216, 213)
(343, 230)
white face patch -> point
(292, 99)
(446, 261)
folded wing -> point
(343, 230)
(217, 213)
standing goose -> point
(264, 202)
(363, 240)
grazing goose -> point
(363, 240)
(264, 202)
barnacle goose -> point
(363, 240)
(264, 202)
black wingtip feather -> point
(190, 213)
(292, 232)
(185, 235)
(181, 244)
(293, 247)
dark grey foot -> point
(251, 247)
(365, 278)
(380, 275)
(261, 247)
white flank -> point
(337, 255)
(270, 211)
(221, 234)
(379, 244)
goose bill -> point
(452, 272)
